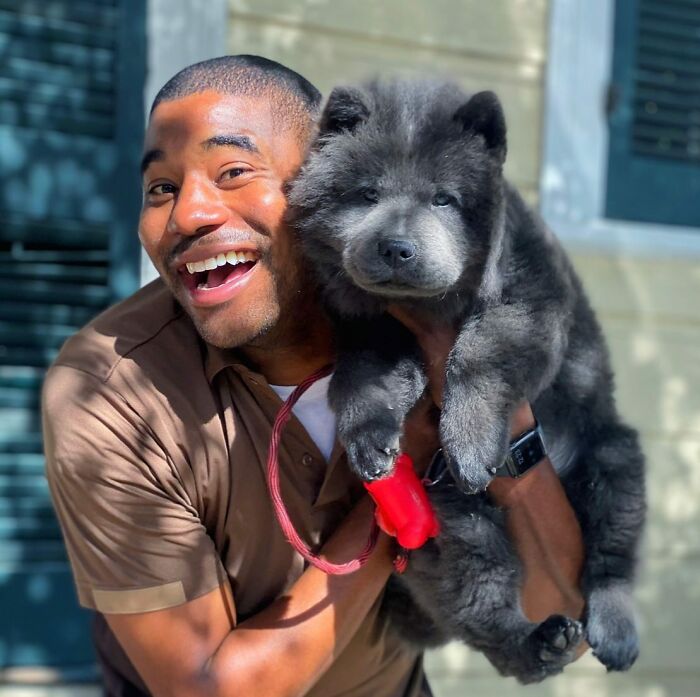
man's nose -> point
(198, 206)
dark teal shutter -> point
(654, 153)
(71, 112)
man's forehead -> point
(203, 117)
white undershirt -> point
(314, 413)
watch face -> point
(524, 454)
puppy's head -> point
(402, 192)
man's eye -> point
(162, 189)
(233, 173)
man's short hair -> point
(295, 101)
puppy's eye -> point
(442, 199)
(371, 195)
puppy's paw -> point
(611, 629)
(372, 451)
(475, 452)
(546, 650)
(542, 651)
(557, 638)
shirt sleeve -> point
(134, 539)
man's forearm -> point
(546, 535)
(300, 634)
(285, 648)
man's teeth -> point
(232, 258)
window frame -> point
(573, 174)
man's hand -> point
(541, 522)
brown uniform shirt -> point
(156, 447)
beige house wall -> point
(496, 44)
(650, 309)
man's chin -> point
(219, 329)
(230, 324)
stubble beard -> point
(272, 322)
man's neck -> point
(288, 360)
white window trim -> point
(574, 163)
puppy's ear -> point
(345, 110)
(483, 115)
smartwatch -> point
(526, 451)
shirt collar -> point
(218, 359)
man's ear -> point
(483, 115)
(345, 109)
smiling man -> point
(156, 435)
(157, 417)
(254, 120)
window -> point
(654, 115)
(621, 160)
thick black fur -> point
(403, 200)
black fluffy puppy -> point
(402, 200)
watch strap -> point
(526, 451)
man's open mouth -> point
(217, 271)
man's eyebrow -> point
(154, 155)
(232, 140)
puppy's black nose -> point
(396, 253)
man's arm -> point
(541, 522)
(545, 532)
(194, 650)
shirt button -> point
(307, 460)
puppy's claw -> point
(370, 458)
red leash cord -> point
(273, 484)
